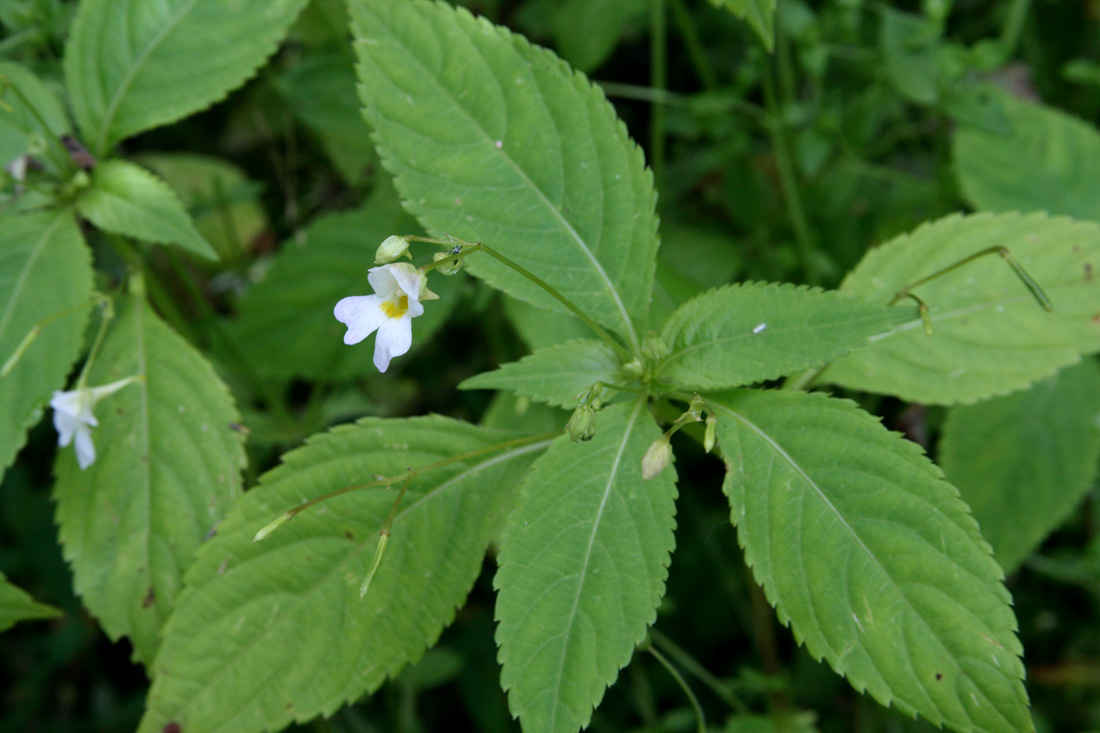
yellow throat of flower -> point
(396, 309)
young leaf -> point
(759, 14)
(872, 558)
(222, 201)
(554, 375)
(1024, 461)
(16, 605)
(583, 563)
(126, 199)
(742, 334)
(167, 470)
(509, 146)
(1050, 161)
(990, 335)
(271, 632)
(131, 65)
(285, 325)
(45, 273)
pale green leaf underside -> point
(167, 469)
(131, 65)
(45, 270)
(742, 334)
(1024, 461)
(555, 375)
(990, 336)
(126, 199)
(759, 14)
(271, 632)
(285, 325)
(1050, 161)
(872, 558)
(491, 138)
(583, 563)
(17, 605)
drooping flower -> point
(73, 418)
(398, 290)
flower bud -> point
(391, 248)
(657, 458)
(709, 435)
(453, 264)
(582, 424)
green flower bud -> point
(657, 458)
(709, 435)
(582, 424)
(453, 265)
(391, 249)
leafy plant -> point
(279, 532)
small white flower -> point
(73, 418)
(398, 290)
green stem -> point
(788, 179)
(469, 248)
(700, 718)
(685, 660)
(107, 312)
(696, 53)
(658, 79)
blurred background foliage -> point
(783, 148)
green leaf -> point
(742, 334)
(759, 14)
(16, 605)
(583, 563)
(509, 146)
(320, 89)
(271, 632)
(126, 199)
(911, 49)
(167, 470)
(221, 200)
(540, 328)
(45, 276)
(1024, 461)
(285, 325)
(990, 336)
(1050, 161)
(554, 375)
(131, 65)
(587, 31)
(21, 131)
(871, 558)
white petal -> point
(85, 449)
(382, 280)
(408, 279)
(362, 314)
(394, 339)
(66, 425)
(66, 402)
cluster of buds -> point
(659, 455)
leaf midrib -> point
(555, 214)
(338, 567)
(842, 520)
(583, 572)
(36, 251)
(132, 72)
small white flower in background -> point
(73, 418)
(398, 290)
